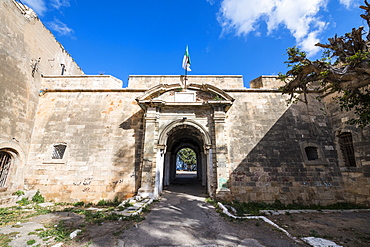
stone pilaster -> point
(149, 154)
(223, 175)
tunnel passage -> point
(185, 136)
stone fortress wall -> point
(27, 51)
(266, 139)
(260, 149)
(102, 131)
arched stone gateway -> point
(176, 118)
(183, 134)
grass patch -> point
(31, 242)
(146, 209)
(78, 204)
(99, 217)
(5, 240)
(39, 211)
(136, 218)
(127, 204)
(24, 201)
(104, 203)
(211, 201)
(8, 215)
(253, 208)
(60, 232)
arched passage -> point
(186, 161)
(179, 135)
(183, 136)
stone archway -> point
(192, 117)
(176, 135)
(181, 135)
(11, 170)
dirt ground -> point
(345, 228)
(342, 227)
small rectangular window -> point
(346, 147)
(58, 151)
(312, 153)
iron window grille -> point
(58, 151)
(346, 147)
(5, 161)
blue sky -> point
(225, 37)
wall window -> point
(5, 161)
(58, 151)
(346, 148)
(312, 154)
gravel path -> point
(183, 218)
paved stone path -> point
(183, 218)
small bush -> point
(38, 198)
(24, 201)
(78, 204)
(19, 193)
(101, 203)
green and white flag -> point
(186, 60)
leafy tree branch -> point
(343, 71)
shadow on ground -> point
(182, 217)
(188, 184)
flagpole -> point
(186, 73)
(186, 65)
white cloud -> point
(243, 15)
(60, 3)
(211, 2)
(300, 17)
(347, 3)
(60, 27)
(37, 5)
(40, 7)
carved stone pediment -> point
(193, 95)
